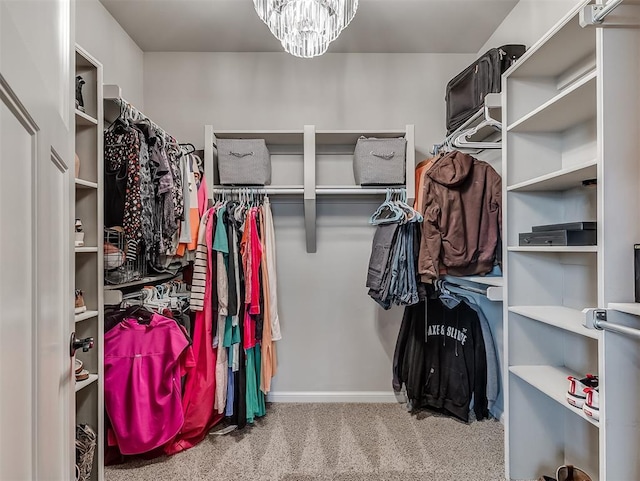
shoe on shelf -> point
(78, 366)
(79, 239)
(575, 394)
(83, 375)
(571, 473)
(79, 98)
(80, 306)
(591, 406)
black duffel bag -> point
(466, 91)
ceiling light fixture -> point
(305, 28)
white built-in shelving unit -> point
(311, 163)
(571, 112)
(88, 273)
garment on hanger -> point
(441, 360)
(141, 364)
(391, 277)
(493, 366)
(148, 180)
(462, 209)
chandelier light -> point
(305, 28)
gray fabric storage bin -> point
(244, 162)
(379, 161)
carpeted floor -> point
(342, 442)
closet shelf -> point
(552, 381)
(559, 180)
(576, 249)
(139, 282)
(575, 104)
(86, 315)
(632, 308)
(84, 119)
(350, 137)
(86, 249)
(557, 51)
(85, 184)
(80, 385)
(271, 137)
(496, 281)
(558, 316)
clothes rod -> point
(600, 15)
(258, 190)
(300, 190)
(477, 290)
(600, 322)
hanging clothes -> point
(441, 360)
(148, 180)
(462, 208)
(200, 386)
(391, 277)
(143, 364)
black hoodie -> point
(455, 361)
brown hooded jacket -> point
(462, 217)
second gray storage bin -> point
(244, 162)
(379, 161)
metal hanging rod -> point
(603, 11)
(600, 322)
(257, 190)
(300, 190)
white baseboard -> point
(333, 397)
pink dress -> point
(142, 391)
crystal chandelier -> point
(306, 27)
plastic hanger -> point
(387, 212)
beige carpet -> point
(345, 442)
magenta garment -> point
(200, 384)
(142, 390)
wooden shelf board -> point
(575, 104)
(86, 315)
(84, 119)
(559, 180)
(271, 137)
(552, 381)
(576, 249)
(80, 385)
(626, 307)
(551, 56)
(495, 281)
(86, 249)
(557, 316)
(85, 184)
(140, 282)
(350, 137)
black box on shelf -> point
(559, 238)
(566, 226)
(636, 270)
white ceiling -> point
(380, 26)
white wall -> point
(103, 37)
(278, 91)
(528, 22)
(335, 338)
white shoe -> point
(591, 406)
(576, 393)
